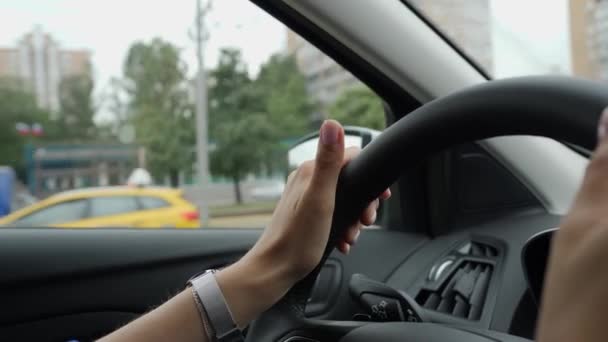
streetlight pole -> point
(201, 113)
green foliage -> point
(17, 106)
(241, 136)
(156, 84)
(249, 118)
(231, 96)
(286, 103)
(77, 108)
(235, 155)
(358, 106)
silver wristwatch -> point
(211, 304)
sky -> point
(530, 36)
(108, 27)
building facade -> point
(589, 38)
(325, 79)
(466, 22)
(41, 64)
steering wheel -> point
(565, 109)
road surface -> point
(241, 221)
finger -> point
(328, 163)
(350, 154)
(352, 234)
(369, 214)
(343, 247)
(291, 176)
(602, 129)
(595, 188)
(386, 194)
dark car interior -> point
(70, 284)
(463, 270)
(460, 255)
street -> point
(241, 221)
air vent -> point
(478, 249)
(463, 293)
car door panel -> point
(79, 327)
(127, 220)
(61, 284)
(64, 274)
(155, 218)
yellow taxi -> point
(121, 206)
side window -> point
(112, 205)
(149, 202)
(332, 90)
(58, 213)
(260, 88)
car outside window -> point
(127, 113)
(149, 202)
(58, 213)
(112, 205)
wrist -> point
(252, 285)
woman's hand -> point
(575, 298)
(294, 241)
(299, 229)
(290, 247)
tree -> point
(241, 146)
(239, 130)
(358, 106)
(116, 101)
(77, 107)
(159, 107)
(17, 106)
(286, 103)
(249, 118)
(231, 96)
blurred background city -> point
(193, 106)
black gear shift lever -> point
(384, 303)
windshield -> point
(158, 114)
(520, 37)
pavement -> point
(241, 221)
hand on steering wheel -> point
(296, 237)
(575, 298)
(323, 203)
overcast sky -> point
(108, 27)
(530, 36)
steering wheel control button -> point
(383, 309)
(382, 302)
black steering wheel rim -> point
(563, 108)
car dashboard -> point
(472, 279)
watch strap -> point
(215, 307)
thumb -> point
(594, 188)
(603, 127)
(330, 153)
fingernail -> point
(329, 132)
(603, 126)
(374, 217)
